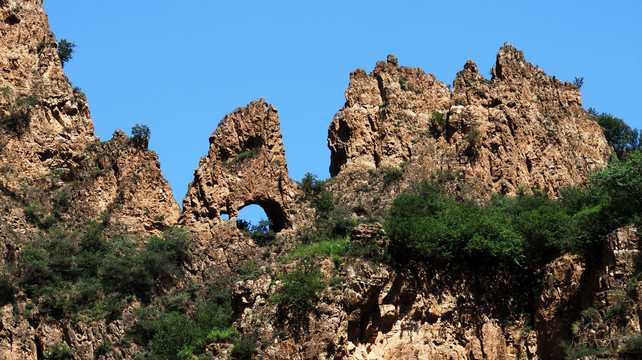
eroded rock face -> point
(53, 163)
(520, 128)
(245, 165)
(33, 82)
(385, 112)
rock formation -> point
(47, 131)
(520, 128)
(55, 172)
(245, 165)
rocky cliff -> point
(56, 173)
(521, 128)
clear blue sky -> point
(179, 67)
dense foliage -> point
(526, 230)
(71, 273)
(619, 135)
(301, 288)
(172, 329)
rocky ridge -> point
(521, 128)
(55, 171)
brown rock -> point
(556, 308)
(384, 112)
(521, 128)
(245, 165)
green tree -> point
(620, 135)
(65, 50)
(140, 136)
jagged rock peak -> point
(245, 165)
(31, 69)
(371, 130)
(511, 62)
(519, 128)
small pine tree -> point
(65, 50)
(140, 136)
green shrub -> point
(621, 136)
(438, 124)
(70, 272)
(473, 138)
(59, 351)
(335, 223)
(229, 334)
(326, 246)
(17, 120)
(140, 136)
(301, 288)
(392, 174)
(7, 289)
(103, 349)
(403, 84)
(262, 233)
(578, 81)
(245, 348)
(246, 155)
(428, 224)
(529, 229)
(174, 335)
(27, 100)
(323, 202)
(163, 256)
(65, 50)
(621, 182)
(311, 185)
(632, 347)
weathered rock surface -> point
(520, 128)
(59, 119)
(245, 165)
(53, 164)
(53, 146)
(385, 113)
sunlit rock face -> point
(519, 128)
(245, 165)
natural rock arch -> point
(245, 165)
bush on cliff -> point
(70, 271)
(529, 229)
(429, 224)
(65, 50)
(301, 288)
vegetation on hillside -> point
(527, 230)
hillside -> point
(459, 223)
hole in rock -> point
(253, 212)
(254, 221)
(250, 217)
(253, 142)
(225, 217)
(12, 20)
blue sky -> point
(181, 67)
